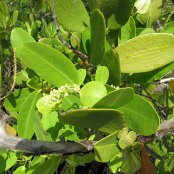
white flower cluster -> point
(56, 95)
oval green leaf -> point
(71, 14)
(146, 52)
(18, 37)
(105, 120)
(140, 116)
(92, 92)
(49, 63)
(102, 74)
(116, 98)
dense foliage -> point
(96, 70)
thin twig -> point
(14, 76)
(83, 56)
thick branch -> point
(38, 147)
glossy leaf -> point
(146, 52)
(106, 120)
(49, 63)
(18, 37)
(102, 74)
(71, 14)
(25, 125)
(92, 92)
(112, 62)
(106, 148)
(140, 116)
(98, 35)
(116, 98)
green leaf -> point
(106, 148)
(142, 6)
(102, 74)
(82, 75)
(20, 170)
(98, 37)
(123, 11)
(70, 101)
(14, 18)
(92, 92)
(169, 27)
(14, 101)
(106, 120)
(8, 159)
(18, 37)
(49, 120)
(86, 35)
(40, 134)
(71, 14)
(120, 8)
(146, 52)
(140, 116)
(115, 163)
(131, 161)
(152, 14)
(116, 98)
(48, 167)
(25, 125)
(152, 75)
(128, 31)
(112, 62)
(49, 63)
(34, 83)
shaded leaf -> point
(98, 37)
(106, 120)
(112, 62)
